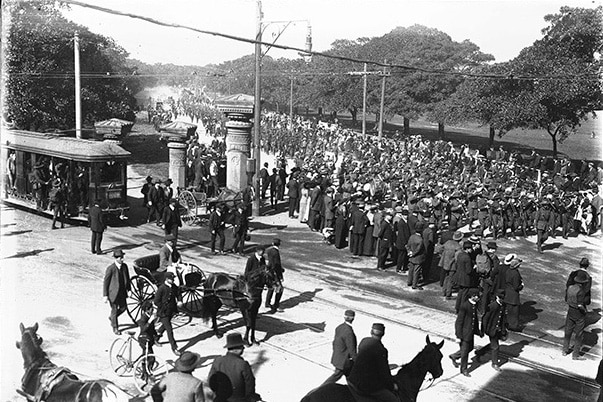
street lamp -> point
(258, 93)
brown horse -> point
(408, 379)
(45, 381)
(236, 293)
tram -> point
(88, 169)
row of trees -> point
(553, 84)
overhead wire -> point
(310, 52)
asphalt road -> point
(50, 277)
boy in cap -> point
(115, 287)
(180, 385)
(167, 300)
(370, 375)
(344, 348)
(237, 369)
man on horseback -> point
(370, 376)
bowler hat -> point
(118, 253)
(378, 327)
(168, 181)
(149, 179)
(349, 313)
(492, 244)
(458, 235)
(581, 277)
(188, 361)
(234, 341)
(584, 262)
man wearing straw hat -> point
(236, 369)
(180, 385)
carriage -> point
(189, 279)
(90, 170)
(194, 204)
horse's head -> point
(30, 344)
(433, 357)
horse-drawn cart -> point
(190, 281)
(194, 204)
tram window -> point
(110, 172)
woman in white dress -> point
(304, 203)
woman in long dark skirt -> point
(341, 226)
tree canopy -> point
(40, 71)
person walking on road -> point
(115, 288)
(167, 300)
(293, 193)
(236, 369)
(514, 284)
(171, 219)
(466, 277)
(97, 227)
(584, 264)
(240, 226)
(448, 262)
(344, 348)
(575, 320)
(275, 269)
(256, 264)
(370, 375)
(216, 227)
(465, 327)
(180, 385)
(494, 325)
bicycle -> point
(146, 368)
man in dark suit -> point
(156, 202)
(370, 375)
(358, 225)
(263, 175)
(236, 369)
(171, 219)
(293, 193)
(167, 300)
(216, 227)
(466, 325)
(386, 237)
(344, 348)
(240, 226)
(256, 264)
(402, 236)
(275, 268)
(168, 255)
(416, 257)
(97, 227)
(115, 288)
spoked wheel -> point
(141, 290)
(188, 207)
(149, 371)
(192, 290)
(120, 356)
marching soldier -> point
(542, 222)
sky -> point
(500, 28)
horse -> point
(408, 379)
(45, 381)
(236, 293)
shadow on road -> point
(528, 312)
(28, 253)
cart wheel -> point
(192, 299)
(149, 371)
(188, 207)
(120, 356)
(141, 290)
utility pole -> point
(364, 104)
(256, 111)
(291, 105)
(78, 86)
(382, 104)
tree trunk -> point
(492, 133)
(554, 138)
(406, 127)
(441, 132)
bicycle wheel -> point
(120, 356)
(149, 371)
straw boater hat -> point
(458, 235)
(188, 361)
(510, 257)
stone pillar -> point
(177, 170)
(239, 111)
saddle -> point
(49, 379)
